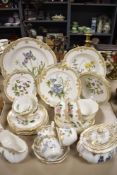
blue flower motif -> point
(57, 88)
(53, 80)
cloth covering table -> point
(73, 164)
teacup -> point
(25, 104)
(48, 147)
(67, 135)
(88, 108)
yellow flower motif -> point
(90, 65)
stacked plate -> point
(27, 115)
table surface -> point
(73, 164)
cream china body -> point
(27, 127)
(26, 104)
(85, 59)
(49, 148)
(19, 84)
(67, 135)
(58, 82)
(98, 143)
(65, 151)
(95, 87)
(88, 108)
(12, 147)
(27, 54)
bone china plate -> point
(27, 54)
(85, 59)
(58, 82)
(19, 84)
(95, 86)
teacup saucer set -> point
(74, 88)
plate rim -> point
(105, 82)
(6, 80)
(15, 43)
(86, 48)
(44, 73)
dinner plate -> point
(58, 82)
(27, 126)
(26, 54)
(18, 84)
(85, 59)
(95, 86)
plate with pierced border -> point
(58, 82)
(18, 84)
(85, 59)
(96, 87)
(26, 54)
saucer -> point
(59, 160)
(28, 127)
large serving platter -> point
(85, 59)
(58, 82)
(18, 84)
(26, 54)
(95, 86)
(28, 127)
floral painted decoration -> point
(88, 66)
(58, 87)
(29, 59)
(94, 86)
(21, 88)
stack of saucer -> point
(27, 115)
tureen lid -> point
(100, 138)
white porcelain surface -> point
(95, 87)
(27, 54)
(13, 148)
(85, 59)
(50, 149)
(37, 119)
(25, 104)
(58, 83)
(19, 84)
(60, 110)
(67, 135)
(98, 143)
(95, 158)
(88, 108)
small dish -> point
(19, 84)
(95, 87)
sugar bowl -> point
(98, 143)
